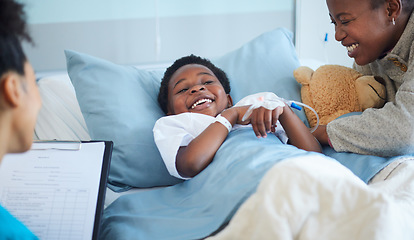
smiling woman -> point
(363, 27)
(379, 37)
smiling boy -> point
(195, 95)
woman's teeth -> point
(352, 47)
(201, 101)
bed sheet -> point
(198, 207)
(398, 168)
(68, 124)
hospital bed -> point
(251, 190)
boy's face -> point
(195, 88)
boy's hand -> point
(235, 115)
(241, 111)
(264, 120)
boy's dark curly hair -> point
(191, 59)
(12, 30)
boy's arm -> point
(199, 153)
(297, 132)
(321, 134)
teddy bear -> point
(334, 90)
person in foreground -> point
(19, 101)
(379, 35)
(195, 95)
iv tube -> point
(313, 110)
(294, 104)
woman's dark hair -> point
(12, 31)
(191, 59)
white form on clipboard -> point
(57, 188)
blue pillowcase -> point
(119, 103)
(265, 64)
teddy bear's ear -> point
(371, 92)
(303, 75)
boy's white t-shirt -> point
(175, 131)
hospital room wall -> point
(315, 35)
(147, 32)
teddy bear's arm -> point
(371, 93)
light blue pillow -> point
(119, 103)
(265, 64)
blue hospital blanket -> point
(364, 166)
(198, 207)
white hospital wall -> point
(147, 31)
(312, 25)
(151, 31)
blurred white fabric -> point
(301, 198)
(60, 117)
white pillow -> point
(60, 117)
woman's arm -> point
(199, 153)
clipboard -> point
(57, 189)
(102, 188)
